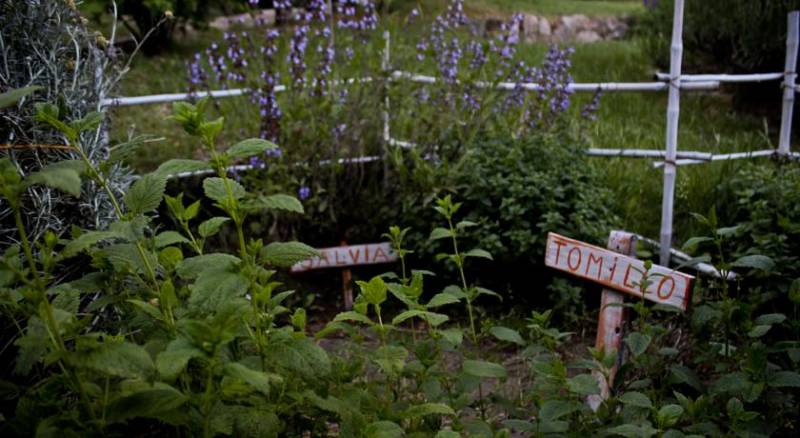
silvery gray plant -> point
(46, 43)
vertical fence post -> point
(385, 63)
(789, 79)
(673, 113)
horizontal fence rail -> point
(754, 77)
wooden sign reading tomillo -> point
(618, 271)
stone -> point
(575, 23)
(587, 36)
(544, 28)
(264, 17)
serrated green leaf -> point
(256, 423)
(434, 319)
(383, 429)
(145, 194)
(215, 288)
(172, 361)
(57, 177)
(374, 291)
(212, 226)
(491, 293)
(352, 316)
(784, 379)
(691, 245)
(147, 403)
(754, 261)
(301, 358)
(250, 147)
(120, 359)
(286, 254)
(32, 346)
(194, 266)
(759, 331)
(87, 240)
(552, 410)
(275, 202)
(390, 358)
(634, 398)
(419, 411)
(177, 165)
(168, 238)
(669, 415)
(148, 309)
(442, 299)
(453, 335)
(126, 256)
(89, 122)
(770, 319)
(481, 253)
(507, 334)
(637, 343)
(259, 380)
(633, 430)
(479, 368)
(440, 233)
(583, 384)
(215, 188)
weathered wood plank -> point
(618, 271)
(343, 256)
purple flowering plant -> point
(304, 92)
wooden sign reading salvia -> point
(343, 256)
(618, 271)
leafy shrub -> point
(46, 44)
(517, 191)
(766, 213)
(741, 36)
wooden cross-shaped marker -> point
(617, 269)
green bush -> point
(736, 35)
(516, 191)
(766, 207)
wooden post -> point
(611, 321)
(789, 79)
(347, 285)
(673, 113)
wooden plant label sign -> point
(617, 271)
(343, 256)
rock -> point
(264, 17)
(575, 23)
(535, 28)
(587, 36)
(544, 28)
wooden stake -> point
(789, 79)
(673, 113)
(611, 321)
(347, 285)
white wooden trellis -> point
(674, 83)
